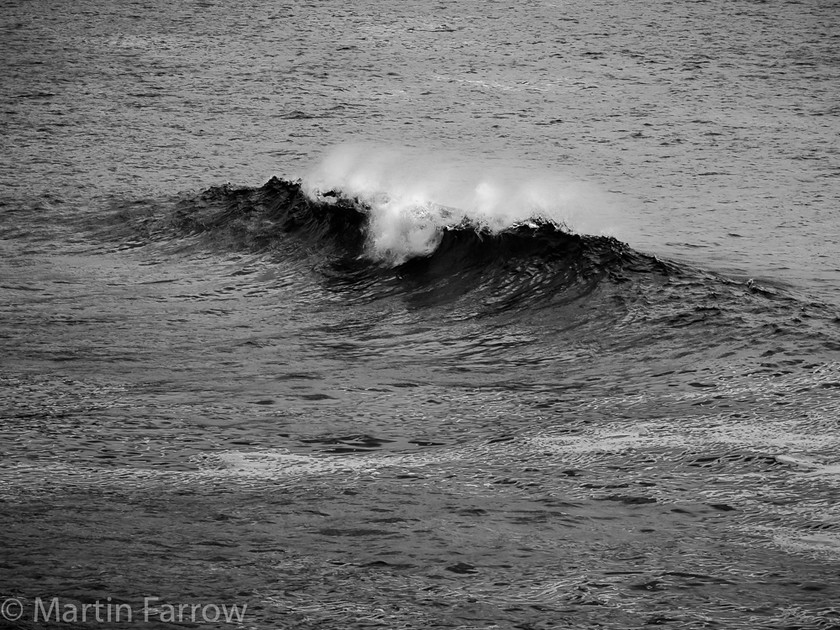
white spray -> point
(414, 194)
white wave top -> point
(414, 194)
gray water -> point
(189, 418)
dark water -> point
(422, 388)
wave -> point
(473, 268)
(527, 260)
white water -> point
(414, 193)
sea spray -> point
(413, 194)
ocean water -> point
(420, 314)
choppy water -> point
(554, 341)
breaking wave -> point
(446, 253)
(411, 196)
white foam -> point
(788, 442)
(25, 480)
(281, 463)
(413, 194)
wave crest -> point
(413, 196)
